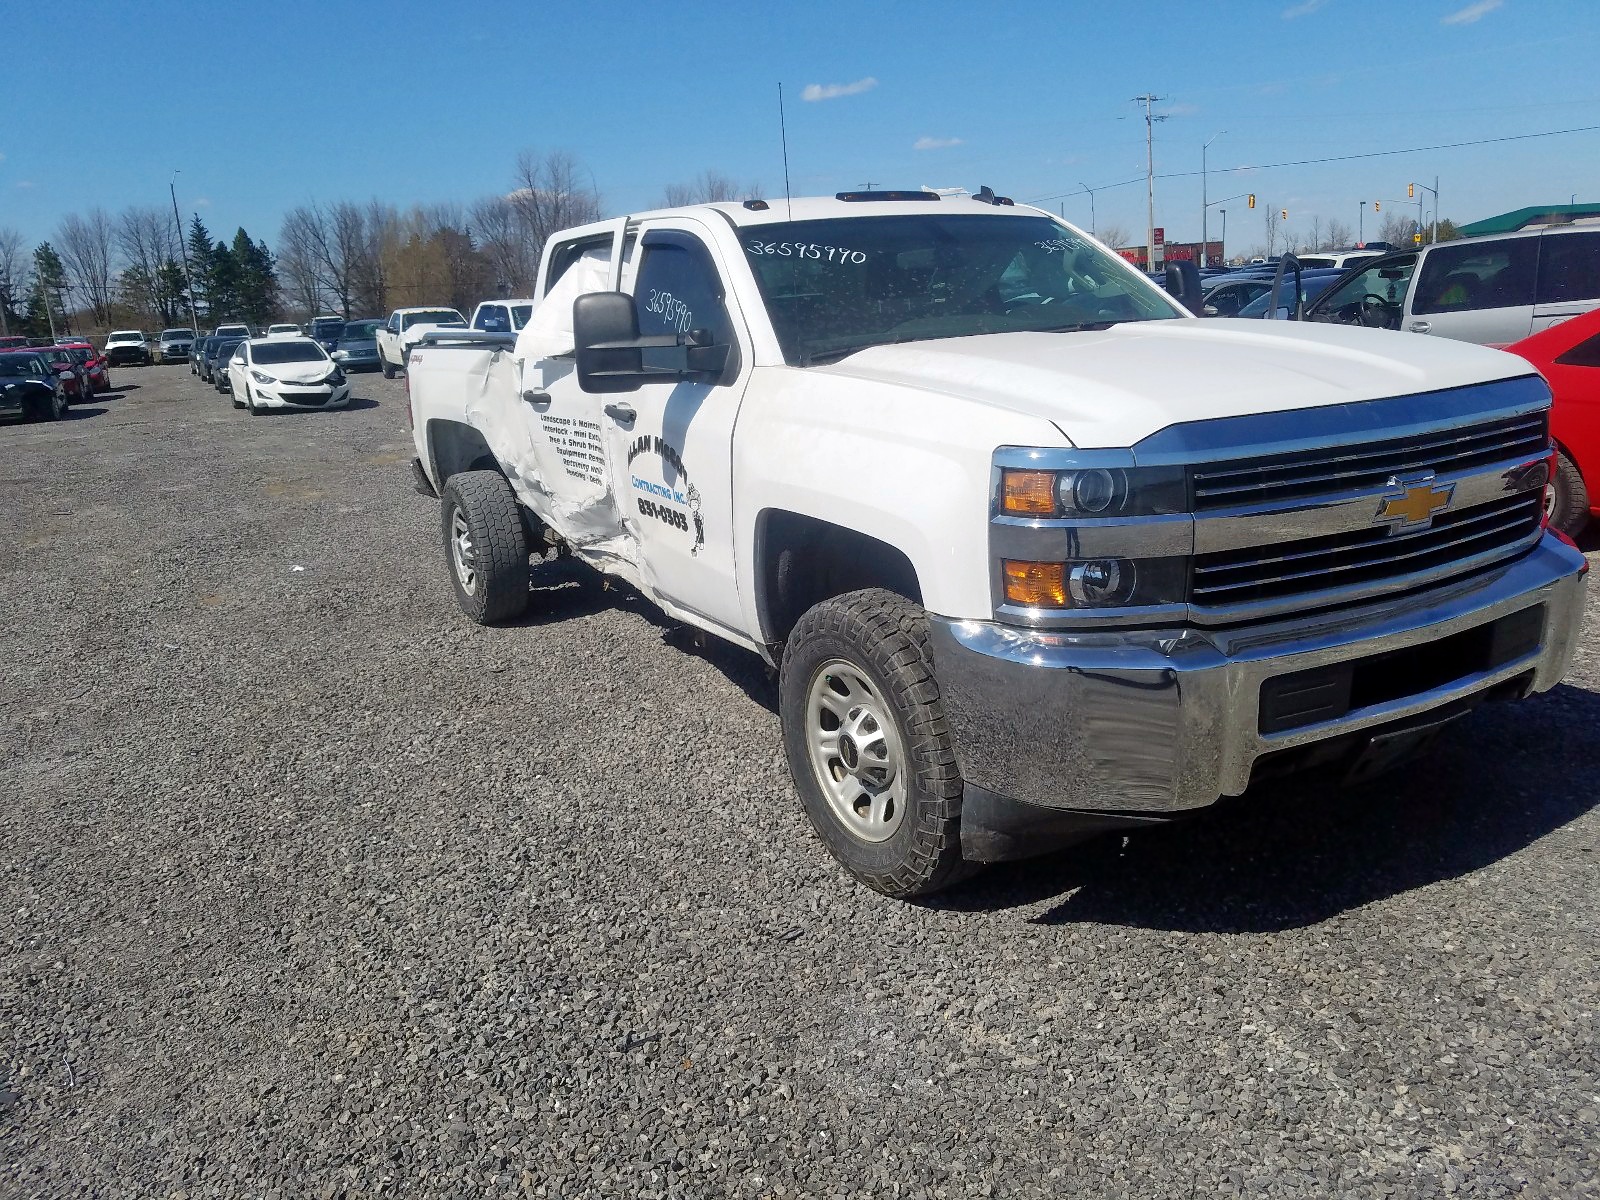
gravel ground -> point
(313, 889)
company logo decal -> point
(675, 501)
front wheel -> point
(383, 363)
(486, 546)
(868, 743)
(1566, 500)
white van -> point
(1491, 290)
(1336, 258)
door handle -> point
(537, 399)
(1421, 326)
(623, 414)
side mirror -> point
(1183, 283)
(610, 352)
(1209, 310)
(605, 333)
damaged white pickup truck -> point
(1037, 553)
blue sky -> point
(263, 106)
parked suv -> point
(1490, 290)
(174, 345)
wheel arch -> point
(454, 447)
(802, 560)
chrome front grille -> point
(1308, 474)
(1455, 543)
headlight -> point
(259, 377)
(336, 377)
(1092, 492)
(1095, 583)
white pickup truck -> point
(404, 329)
(1037, 553)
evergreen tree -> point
(201, 253)
(222, 284)
(45, 293)
(257, 279)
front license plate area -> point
(1385, 751)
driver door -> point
(669, 444)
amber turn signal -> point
(1028, 493)
(1036, 584)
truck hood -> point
(1114, 387)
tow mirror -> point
(610, 352)
(1183, 283)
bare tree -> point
(553, 192)
(1314, 237)
(1113, 235)
(497, 229)
(711, 187)
(379, 235)
(1397, 229)
(85, 249)
(1340, 235)
(1273, 223)
(14, 261)
(148, 242)
(298, 262)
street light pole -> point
(1361, 223)
(1090, 190)
(1148, 101)
(1224, 213)
(1205, 208)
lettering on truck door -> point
(672, 459)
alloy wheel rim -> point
(463, 553)
(855, 752)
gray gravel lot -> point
(313, 889)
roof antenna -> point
(783, 131)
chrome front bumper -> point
(1156, 723)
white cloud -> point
(1304, 9)
(933, 143)
(832, 91)
(25, 184)
(202, 201)
(1471, 13)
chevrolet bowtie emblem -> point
(1413, 504)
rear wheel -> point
(868, 743)
(1566, 500)
(486, 546)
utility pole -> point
(183, 247)
(1205, 208)
(1092, 231)
(1361, 223)
(1149, 177)
(1224, 213)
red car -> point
(1568, 356)
(74, 379)
(92, 361)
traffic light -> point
(1283, 214)
(1252, 199)
(1377, 206)
(1411, 191)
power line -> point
(1308, 162)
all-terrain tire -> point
(383, 365)
(489, 569)
(1569, 498)
(884, 637)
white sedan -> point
(285, 373)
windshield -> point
(124, 337)
(520, 314)
(225, 346)
(174, 334)
(323, 327)
(1372, 295)
(80, 356)
(288, 352)
(837, 286)
(433, 317)
(360, 331)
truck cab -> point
(404, 329)
(1035, 552)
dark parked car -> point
(30, 387)
(357, 347)
(200, 360)
(217, 357)
(325, 330)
